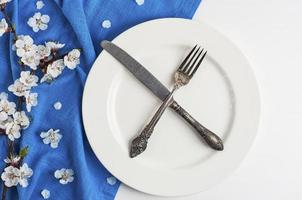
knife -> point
(159, 90)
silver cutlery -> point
(182, 77)
(159, 90)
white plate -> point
(222, 95)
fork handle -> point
(139, 144)
(211, 138)
(147, 131)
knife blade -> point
(141, 73)
(159, 90)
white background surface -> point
(269, 33)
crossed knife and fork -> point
(182, 77)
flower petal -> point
(45, 18)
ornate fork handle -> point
(211, 138)
(160, 112)
(139, 144)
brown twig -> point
(43, 67)
(19, 106)
(10, 148)
(54, 57)
(9, 22)
(4, 191)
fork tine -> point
(190, 61)
(186, 59)
(195, 60)
(198, 64)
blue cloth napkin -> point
(78, 24)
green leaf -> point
(23, 152)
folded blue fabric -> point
(78, 24)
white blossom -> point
(111, 180)
(46, 78)
(21, 119)
(40, 5)
(11, 176)
(45, 194)
(4, 1)
(72, 59)
(25, 46)
(51, 137)
(31, 61)
(64, 175)
(3, 95)
(13, 160)
(25, 173)
(38, 22)
(56, 68)
(28, 79)
(140, 2)
(4, 122)
(31, 99)
(3, 26)
(18, 88)
(6, 108)
(12, 130)
(106, 23)
(43, 51)
(57, 105)
(54, 45)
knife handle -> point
(211, 138)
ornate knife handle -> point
(211, 138)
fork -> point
(182, 77)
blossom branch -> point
(9, 22)
(44, 63)
(9, 149)
(13, 120)
(4, 191)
